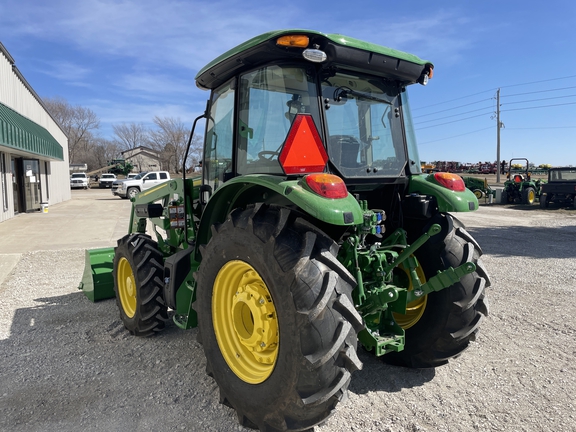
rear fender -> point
(447, 199)
(252, 189)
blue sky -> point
(131, 60)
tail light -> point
(327, 185)
(450, 181)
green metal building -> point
(33, 148)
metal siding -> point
(16, 94)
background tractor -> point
(312, 228)
(479, 187)
(520, 188)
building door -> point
(32, 196)
(16, 168)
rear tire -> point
(544, 201)
(138, 274)
(289, 266)
(453, 315)
(478, 193)
(528, 196)
(504, 197)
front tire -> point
(276, 319)
(138, 273)
(132, 192)
(453, 315)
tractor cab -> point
(350, 97)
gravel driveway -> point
(67, 364)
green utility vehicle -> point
(520, 188)
(311, 229)
(479, 187)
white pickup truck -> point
(79, 180)
(131, 187)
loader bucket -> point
(98, 281)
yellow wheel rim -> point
(126, 287)
(415, 309)
(531, 196)
(245, 322)
(478, 193)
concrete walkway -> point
(93, 218)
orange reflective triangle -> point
(303, 151)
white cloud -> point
(66, 71)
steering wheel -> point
(270, 153)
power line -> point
(455, 115)
(537, 100)
(538, 91)
(452, 100)
(541, 106)
(538, 82)
(493, 89)
(450, 109)
(454, 121)
(455, 136)
(545, 127)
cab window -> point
(269, 100)
(217, 166)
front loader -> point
(311, 228)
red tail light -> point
(450, 181)
(327, 185)
(303, 151)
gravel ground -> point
(67, 364)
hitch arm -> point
(434, 229)
(442, 280)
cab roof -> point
(342, 51)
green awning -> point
(18, 132)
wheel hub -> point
(415, 309)
(127, 287)
(254, 318)
(245, 322)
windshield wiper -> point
(342, 92)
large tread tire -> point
(528, 196)
(138, 284)
(504, 197)
(317, 322)
(453, 315)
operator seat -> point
(344, 151)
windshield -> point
(139, 176)
(365, 137)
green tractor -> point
(520, 188)
(479, 187)
(311, 229)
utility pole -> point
(498, 168)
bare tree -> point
(130, 135)
(170, 140)
(79, 124)
(104, 152)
